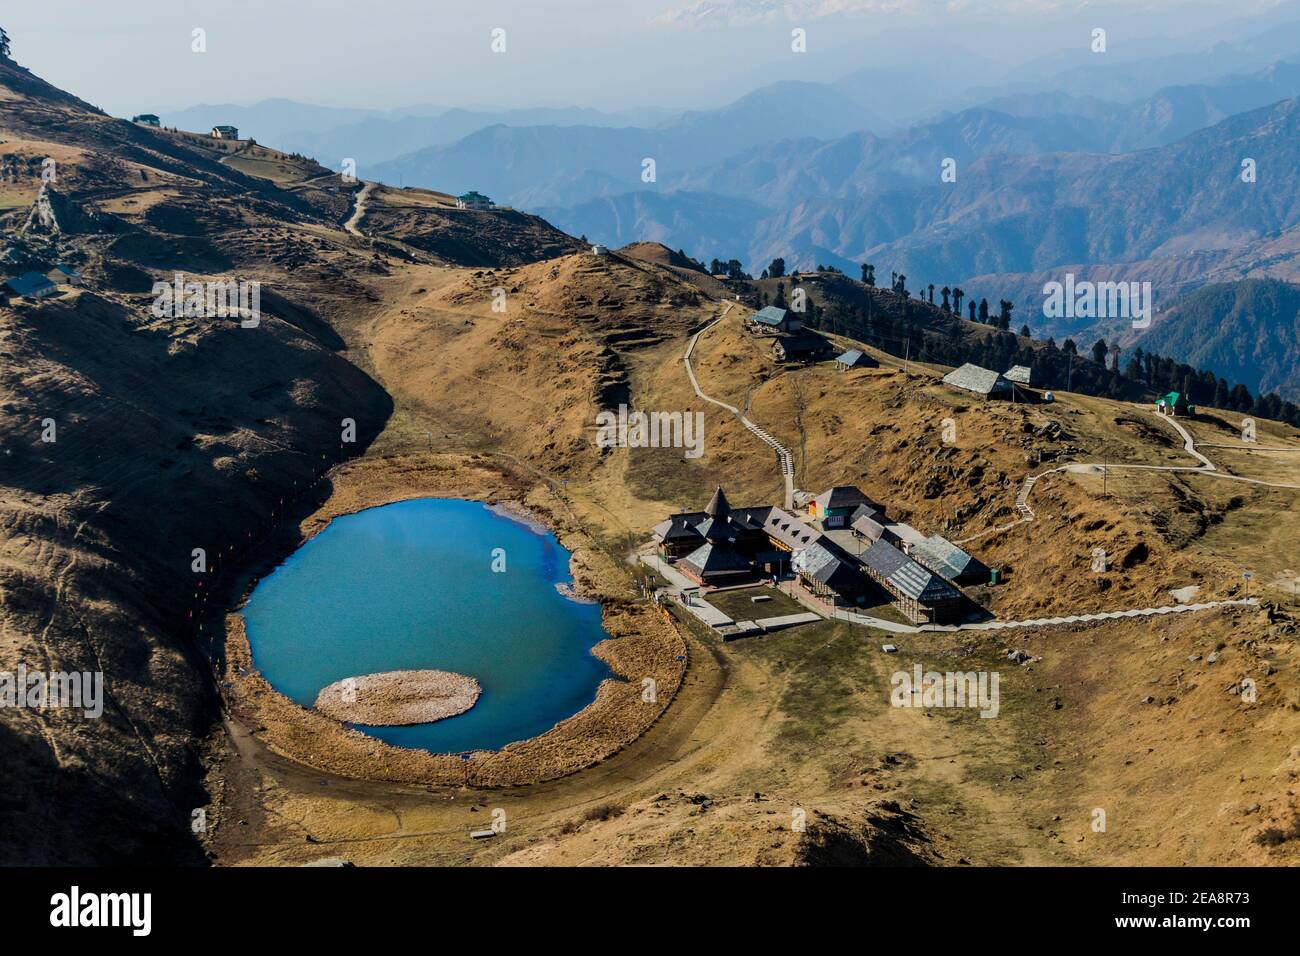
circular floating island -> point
(397, 698)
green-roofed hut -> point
(1174, 404)
(473, 200)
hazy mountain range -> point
(1101, 168)
(836, 197)
(332, 134)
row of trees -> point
(731, 268)
(1199, 386)
(907, 330)
(951, 299)
(776, 270)
(1203, 387)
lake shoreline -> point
(519, 513)
(643, 644)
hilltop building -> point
(64, 274)
(225, 132)
(676, 536)
(147, 119)
(944, 558)
(921, 595)
(719, 544)
(802, 346)
(872, 526)
(855, 358)
(1021, 375)
(836, 507)
(473, 200)
(830, 574)
(981, 381)
(599, 250)
(1174, 404)
(773, 321)
(716, 565)
(31, 285)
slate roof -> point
(1020, 374)
(771, 315)
(717, 529)
(941, 555)
(982, 381)
(678, 527)
(718, 505)
(753, 517)
(856, 357)
(872, 510)
(824, 562)
(905, 532)
(907, 576)
(715, 558)
(844, 496)
(722, 526)
(804, 342)
(30, 283)
(789, 530)
(872, 528)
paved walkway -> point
(785, 462)
(868, 621)
(710, 615)
(1245, 446)
(679, 582)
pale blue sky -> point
(134, 55)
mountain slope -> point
(1246, 331)
(1018, 215)
(717, 224)
(170, 433)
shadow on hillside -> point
(70, 816)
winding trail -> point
(785, 462)
(359, 210)
(1206, 467)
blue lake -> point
(410, 586)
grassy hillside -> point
(170, 434)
